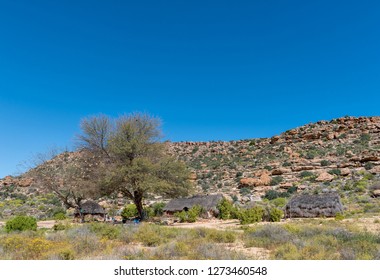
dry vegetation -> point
(321, 239)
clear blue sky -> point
(212, 70)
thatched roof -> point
(91, 207)
(310, 206)
(208, 202)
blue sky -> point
(212, 70)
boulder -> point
(345, 171)
(325, 177)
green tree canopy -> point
(138, 163)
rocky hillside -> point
(341, 155)
(322, 154)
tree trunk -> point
(138, 202)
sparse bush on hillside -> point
(335, 172)
(325, 162)
(271, 194)
(306, 174)
(21, 223)
(276, 180)
(368, 166)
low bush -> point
(59, 216)
(252, 215)
(21, 223)
(276, 180)
(276, 215)
(219, 236)
(189, 216)
(227, 210)
(106, 230)
(129, 212)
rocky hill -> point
(323, 154)
(340, 155)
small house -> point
(208, 202)
(311, 206)
(90, 210)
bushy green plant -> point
(306, 174)
(292, 190)
(219, 236)
(276, 215)
(227, 210)
(194, 213)
(105, 230)
(368, 166)
(129, 211)
(59, 226)
(252, 215)
(339, 216)
(276, 180)
(59, 216)
(21, 223)
(271, 194)
(158, 208)
(189, 216)
(325, 162)
(334, 172)
(279, 202)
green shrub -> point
(149, 235)
(227, 210)
(189, 216)
(365, 138)
(129, 211)
(252, 215)
(21, 223)
(276, 180)
(59, 226)
(339, 216)
(105, 230)
(276, 215)
(194, 213)
(158, 208)
(368, 166)
(279, 202)
(335, 172)
(306, 174)
(182, 216)
(268, 167)
(292, 190)
(244, 191)
(325, 162)
(271, 194)
(59, 216)
(219, 236)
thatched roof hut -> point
(311, 206)
(208, 203)
(91, 208)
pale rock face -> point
(325, 177)
(376, 193)
(375, 170)
(345, 171)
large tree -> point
(138, 163)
